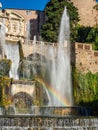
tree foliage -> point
(88, 35)
(82, 33)
(53, 11)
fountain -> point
(60, 72)
(12, 53)
(2, 37)
(59, 112)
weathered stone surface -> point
(85, 58)
(5, 65)
(88, 15)
(29, 122)
(32, 66)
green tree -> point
(88, 35)
(93, 37)
(83, 34)
(53, 11)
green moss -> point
(5, 65)
(85, 87)
(5, 97)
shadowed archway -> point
(22, 102)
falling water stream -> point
(12, 53)
(2, 38)
(60, 72)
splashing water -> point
(2, 38)
(28, 31)
(11, 51)
(60, 71)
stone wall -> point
(13, 25)
(88, 15)
(22, 86)
(41, 48)
(82, 55)
(21, 23)
(85, 58)
(32, 17)
(30, 122)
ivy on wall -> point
(85, 88)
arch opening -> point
(22, 102)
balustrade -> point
(43, 122)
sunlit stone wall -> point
(85, 58)
(82, 55)
(13, 25)
(22, 86)
(88, 15)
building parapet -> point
(32, 42)
(83, 46)
(86, 59)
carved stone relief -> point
(14, 25)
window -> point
(28, 12)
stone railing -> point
(42, 48)
(83, 46)
(49, 118)
(29, 122)
(32, 42)
(24, 82)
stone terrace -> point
(82, 55)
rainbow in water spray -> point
(53, 91)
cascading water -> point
(12, 53)
(60, 72)
(2, 38)
(28, 31)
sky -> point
(24, 4)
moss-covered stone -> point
(5, 65)
(33, 65)
(85, 88)
(5, 97)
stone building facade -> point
(18, 22)
(12, 24)
(21, 24)
(84, 57)
(88, 15)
